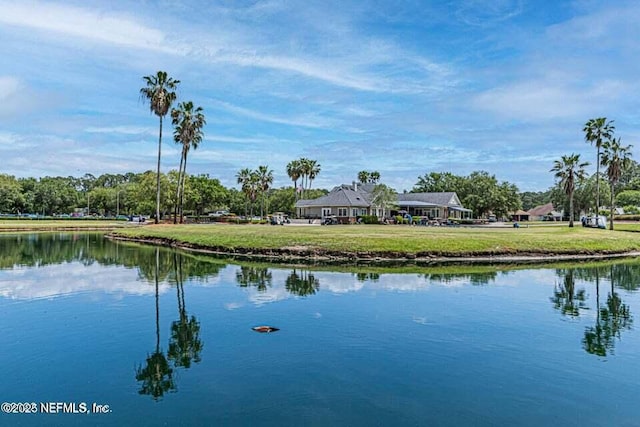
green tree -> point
(438, 182)
(596, 131)
(628, 198)
(568, 170)
(383, 197)
(615, 158)
(265, 179)
(374, 177)
(11, 198)
(160, 93)
(188, 122)
(363, 177)
(294, 171)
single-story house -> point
(519, 215)
(347, 202)
(433, 205)
(545, 213)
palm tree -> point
(313, 171)
(294, 172)
(160, 92)
(596, 131)
(615, 158)
(188, 122)
(243, 178)
(374, 177)
(569, 170)
(265, 178)
(363, 177)
(305, 169)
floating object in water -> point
(265, 329)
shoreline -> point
(325, 257)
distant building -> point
(545, 213)
(348, 202)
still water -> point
(164, 337)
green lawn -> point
(397, 239)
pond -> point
(164, 337)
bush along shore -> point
(387, 245)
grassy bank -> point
(389, 241)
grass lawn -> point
(54, 224)
(382, 240)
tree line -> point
(135, 193)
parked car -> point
(218, 213)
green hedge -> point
(369, 219)
(627, 217)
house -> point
(519, 215)
(433, 205)
(545, 213)
(347, 202)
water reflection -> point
(260, 277)
(302, 283)
(156, 376)
(566, 297)
(185, 344)
(611, 318)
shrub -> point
(369, 219)
(628, 217)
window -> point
(354, 212)
(342, 211)
(363, 211)
(326, 212)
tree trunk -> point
(611, 216)
(598, 186)
(571, 209)
(184, 178)
(158, 174)
(175, 208)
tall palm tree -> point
(160, 92)
(374, 177)
(596, 131)
(294, 171)
(188, 122)
(265, 178)
(615, 158)
(243, 177)
(305, 169)
(313, 171)
(569, 170)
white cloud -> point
(117, 29)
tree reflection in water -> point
(611, 319)
(185, 344)
(302, 283)
(565, 296)
(260, 277)
(157, 375)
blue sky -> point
(401, 87)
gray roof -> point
(346, 195)
(343, 195)
(435, 199)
